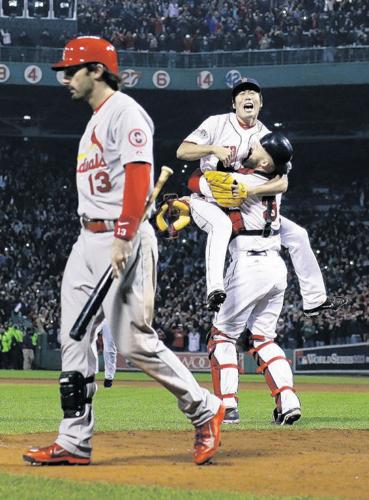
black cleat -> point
(287, 418)
(231, 416)
(108, 382)
(329, 305)
(215, 299)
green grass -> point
(15, 487)
(130, 407)
(35, 407)
(201, 377)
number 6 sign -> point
(161, 79)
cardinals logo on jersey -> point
(89, 161)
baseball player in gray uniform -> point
(229, 138)
(114, 178)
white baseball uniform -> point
(225, 130)
(118, 133)
(255, 283)
(109, 352)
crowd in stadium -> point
(38, 225)
(200, 26)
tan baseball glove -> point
(226, 191)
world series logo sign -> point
(347, 358)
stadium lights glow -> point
(27, 117)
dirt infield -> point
(283, 461)
(280, 461)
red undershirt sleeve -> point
(136, 188)
(193, 183)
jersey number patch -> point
(274, 208)
(99, 182)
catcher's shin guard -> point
(272, 362)
(224, 368)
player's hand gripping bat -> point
(96, 298)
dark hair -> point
(114, 81)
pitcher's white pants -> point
(109, 353)
(296, 239)
(211, 219)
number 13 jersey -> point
(119, 132)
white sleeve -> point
(204, 188)
(204, 134)
(133, 134)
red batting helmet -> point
(88, 49)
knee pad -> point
(73, 393)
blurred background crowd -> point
(200, 25)
(38, 225)
(38, 221)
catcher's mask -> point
(173, 215)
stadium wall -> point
(279, 76)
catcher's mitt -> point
(172, 216)
(226, 191)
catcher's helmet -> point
(88, 49)
(279, 148)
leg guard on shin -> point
(224, 368)
(73, 393)
(273, 363)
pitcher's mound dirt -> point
(281, 462)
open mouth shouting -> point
(248, 106)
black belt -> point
(265, 233)
(260, 232)
(256, 252)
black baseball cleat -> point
(287, 418)
(108, 382)
(215, 299)
(231, 416)
(329, 305)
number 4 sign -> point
(33, 74)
